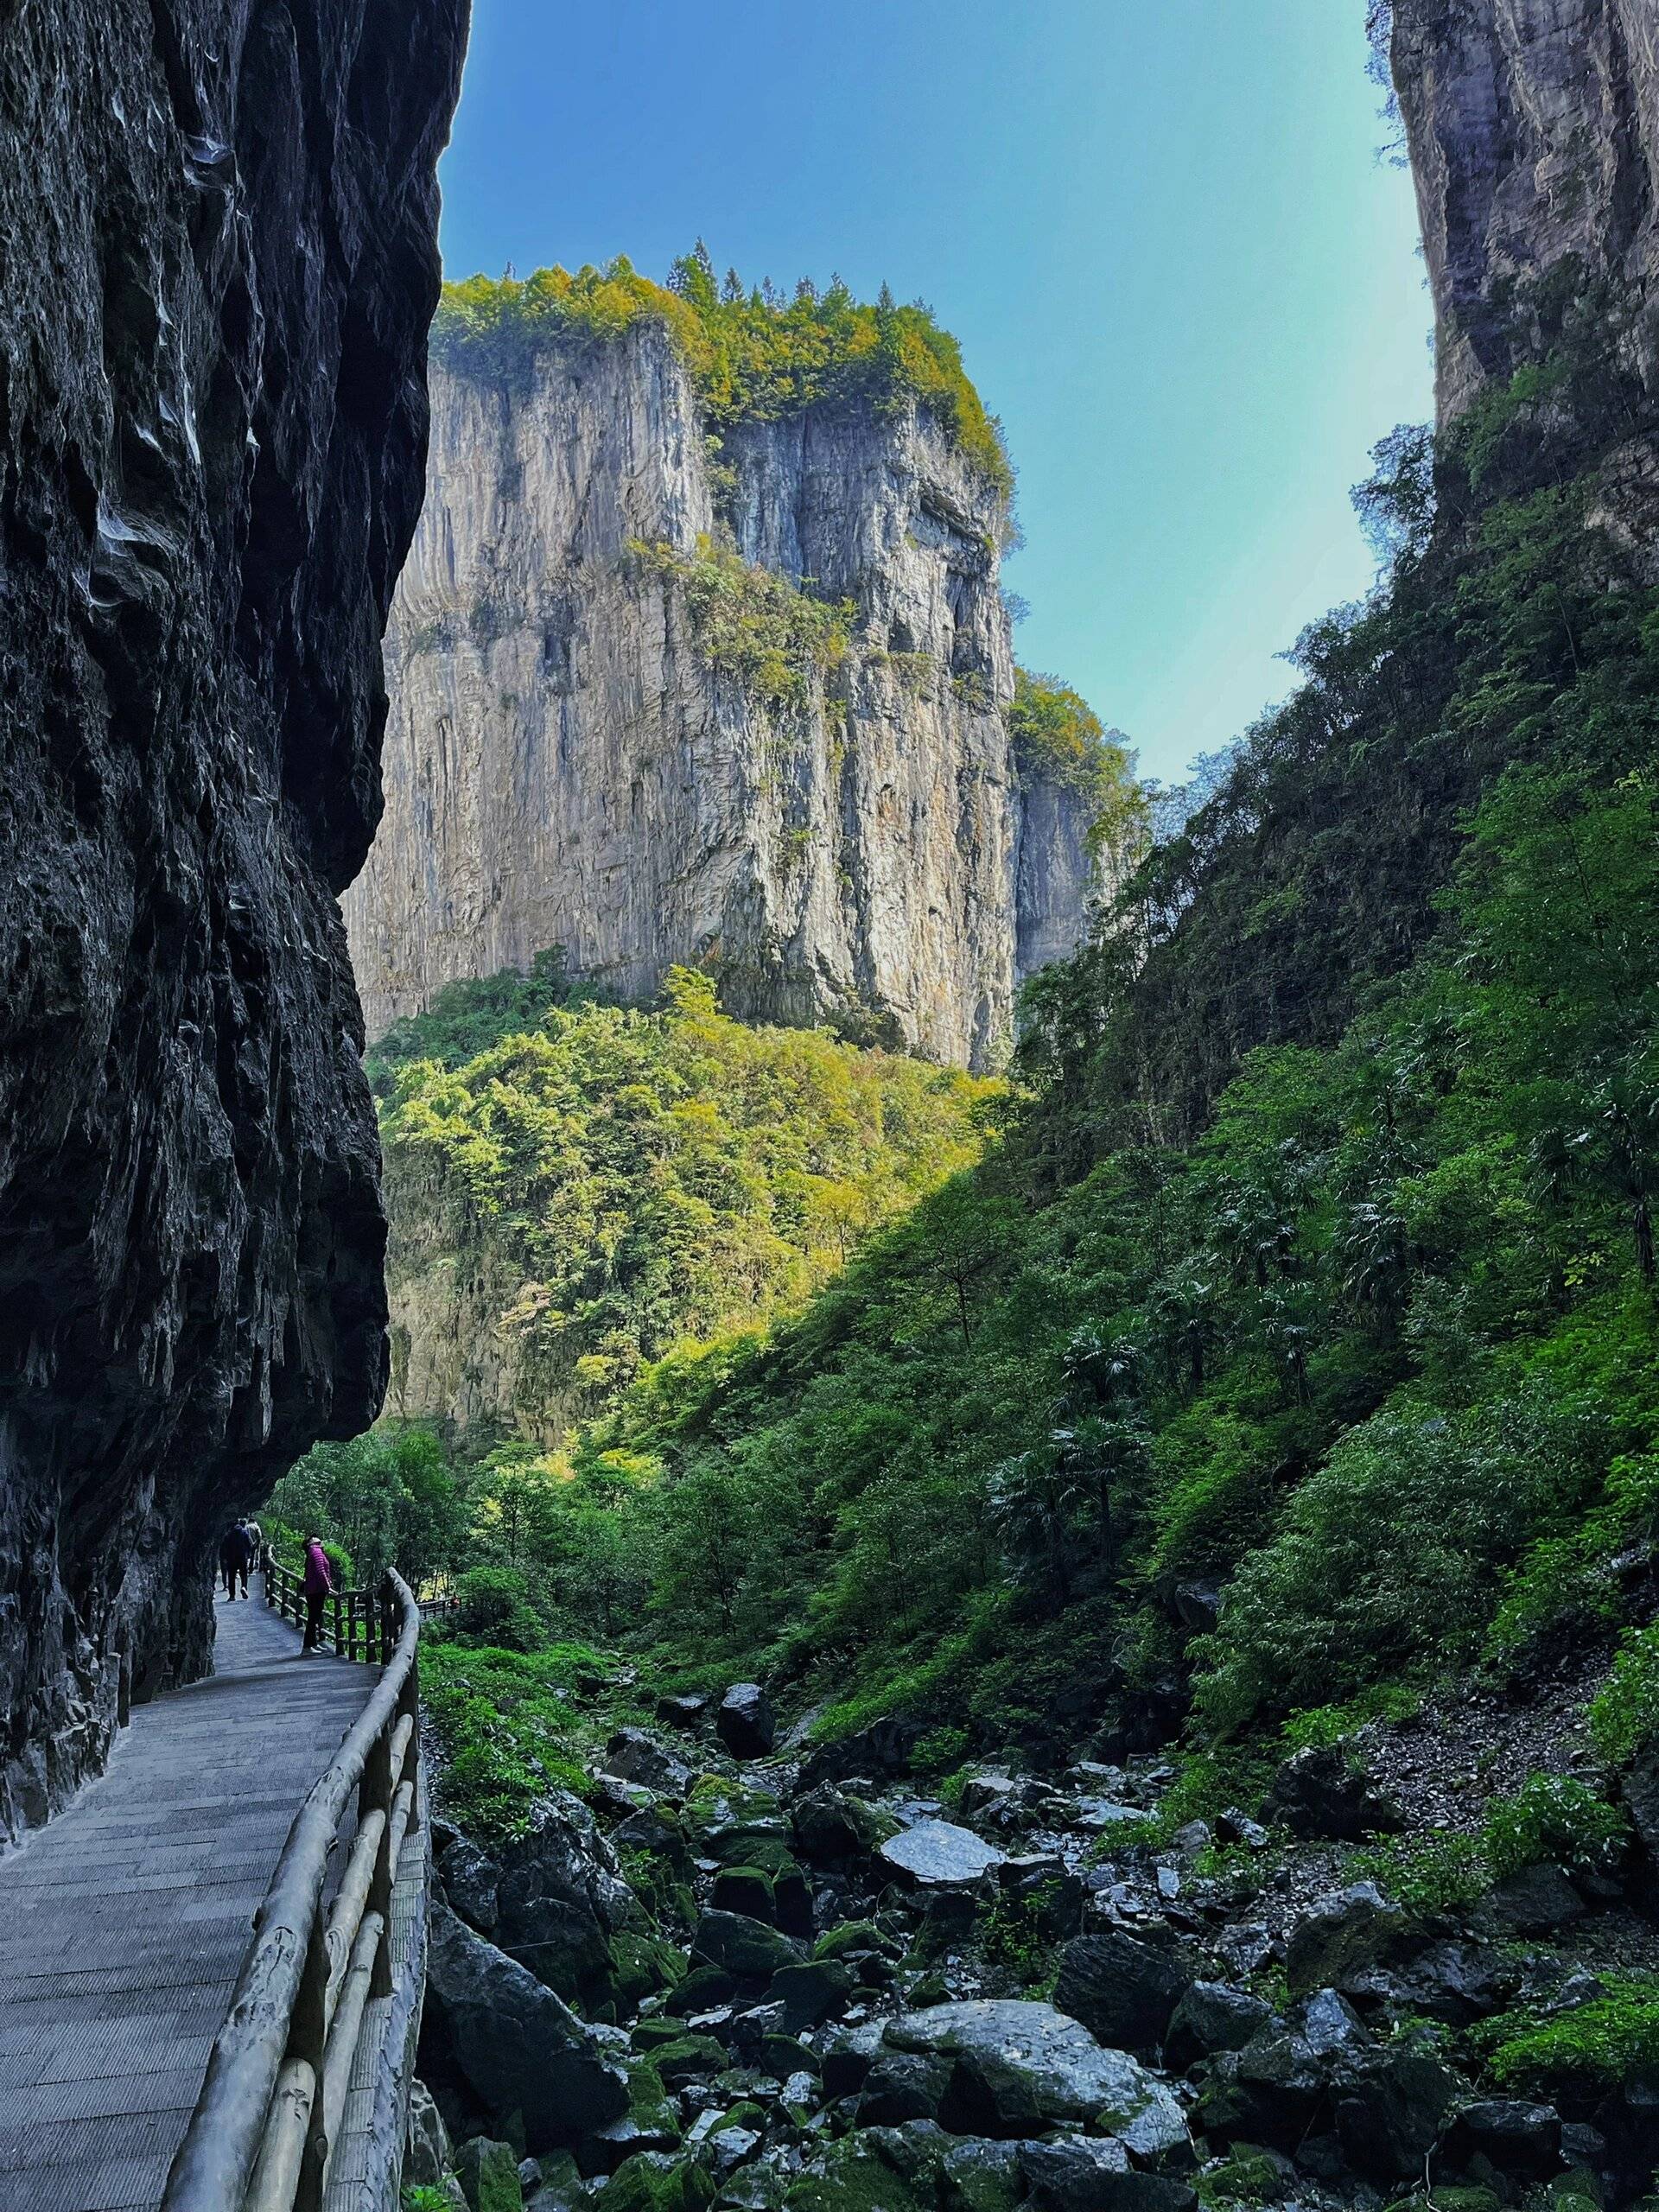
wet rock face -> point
(218, 225)
(1533, 127)
(564, 767)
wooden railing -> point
(353, 1621)
(269, 2118)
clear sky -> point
(1178, 272)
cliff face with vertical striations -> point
(570, 764)
(1533, 127)
(217, 224)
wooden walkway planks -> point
(123, 1922)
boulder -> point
(551, 1898)
(516, 2045)
(1391, 2104)
(470, 1879)
(1523, 2140)
(658, 2181)
(745, 1723)
(687, 1709)
(744, 1948)
(866, 2172)
(937, 1854)
(812, 1993)
(488, 2173)
(904, 2085)
(1198, 1605)
(638, 1757)
(747, 1890)
(828, 1826)
(982, 2176)
(1085, 2174)
(1235, 1826)
(881, 1751)
(1266, 2093)
(1531, 1902)
(1319, 1792)
(1124, 1991)
(683, 2058)
(1340, 1932)
(1020, 2065)
(1456, 1982)
(1211, 2016)
(849, 2055)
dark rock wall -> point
(1533, 127)
(217, 266)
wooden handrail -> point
(263, 2132)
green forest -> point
(1292, 1342)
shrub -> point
(1624, 1713)
(1552, 1817)
(1599, 2045)
(495, 1608)
(1427, 1873)
(750, 623)
(1386, 1554)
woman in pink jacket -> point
(316, 1584)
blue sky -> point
(1178, 273)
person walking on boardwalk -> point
(257, 1539)
(234, 1553)
(317, 1583)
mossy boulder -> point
(488, 2173)
(658, 2181)
(853, 2175)
(644, 1965)
(745, 1947)
(747, 1890)
(702, 1990)
(784, 2055)
(811, 1993)
(686, 2057)
(856, 1939)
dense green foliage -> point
(1057, 732)
(1315, 1264)
(752, 356)
(1318, 1261)
(1611, 2039)
(751, 624)
(662, 1179)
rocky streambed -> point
(739, 1981)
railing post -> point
(307, 2038)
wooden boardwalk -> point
(123, 1923)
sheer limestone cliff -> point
(1533, 127)
(218, 225)
(576, 759)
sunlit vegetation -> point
(1057, 734)
(1313, 1268)
(752, 355)
(776, 641)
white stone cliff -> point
(563, 767)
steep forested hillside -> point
(1268, 1417)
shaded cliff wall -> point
(217, 231)
(564, 766)
(1533, 127)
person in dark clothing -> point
(234, 1556)
(316, 1583)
